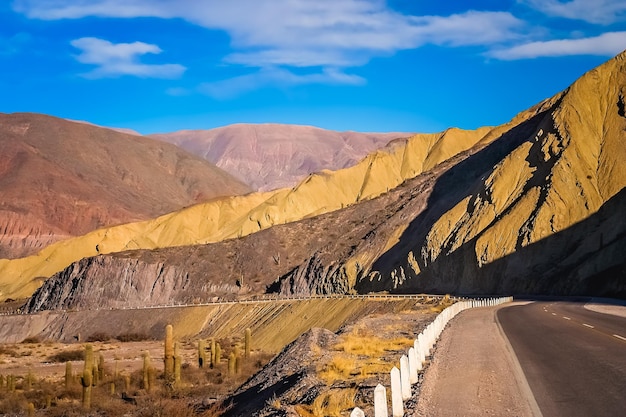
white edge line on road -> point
(518, 373)
(566, 318)
(619, 337)
(588, 325)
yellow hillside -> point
(572, 165)
(239, 216)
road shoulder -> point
(474, 372)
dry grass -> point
(49, 392)
(340, 368)
(442, 304)
(369, 345)
(331, 403)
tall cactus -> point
(212, 352)
(95, 374)
(68, 375)
(101, 367)
(232, 363)
(168, 368)
(248, 341)
(87, 378)
(29, 380)
(126, 383)
(218, 354)
(178, 362)
(201, 353)
(146, 371)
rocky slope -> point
(534, 206)
(547, 217)
(60, 179)
(271, 156)
(240, 216)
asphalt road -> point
(574, 359)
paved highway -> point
(574, 359)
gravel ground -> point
(474, 372)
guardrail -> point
(413, 362)
(257, 299)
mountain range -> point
(271, 156)
(534, 206)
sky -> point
(363, 65)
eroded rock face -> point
(111, 282)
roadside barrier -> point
(411, 365)
(266, 298)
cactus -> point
(11, 383)
(95, 375)
(29, 380)
(168, 368)
(1, 380)
(201, 353)
(68, 374)
(212, 352)
(218, 354)
(232, 358)
(112, 388)
(248, 341)
(30, 410)
(87, 378)
(146, 371)
(101, 367)
(178, 361)
(126, 383)
(48, 401)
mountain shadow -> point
(450, 188)
(588, 258)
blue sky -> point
(364, 65)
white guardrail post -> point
(413, 363)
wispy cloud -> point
(328, 34)
(610, 43)
(114, 60)
(326, 38)
(300, 32)
(275, 77)
(592, 11)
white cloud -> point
(275, 77)
(277, 36)
(301, 33)
(113, 60)
(607, 44)
(592, 11)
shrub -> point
(8, 351)
(99, 337)
(133, 337)
(32, 339)
(67, 356)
